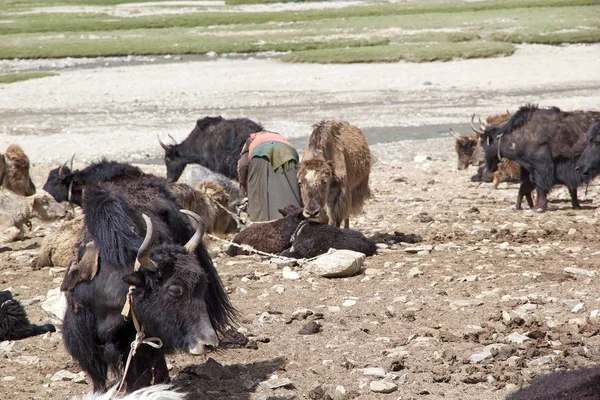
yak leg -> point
(574, 200)
(525, 190)
(139, 374)
(347, 223)
(161, 372)
(32, 330)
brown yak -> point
(334, 172)
(14, 171)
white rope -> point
(251, 249)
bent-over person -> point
(267, 173)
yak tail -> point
(113, 225)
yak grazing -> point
(547, 144)
(215, 143)
(14, 171)
(177, 295)
(14, 324)
(334, 172)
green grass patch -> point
(243, 2)
(409, 52)
(12, 78)
(553, 38)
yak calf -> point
(14, 324)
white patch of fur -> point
(513, 145)
(312, 178)
(156, 392)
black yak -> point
(546, 143)
(215, 143)
(14, 324)
(310, 238)
(65, 184)
(580, 384)
(177, 297)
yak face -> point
(465, 146)
(489, 143)
(317, 180)
(174, 161)
(171, 302)
(57, 186)
(46, 208)
(588, 164)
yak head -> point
(170, 298)
(490, 141)
(14, 171)
(465, 147)
(317, 180)
(62, 184)
(175, 160)
(588, 164)
(44, 207)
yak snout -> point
(311, 211)
(205, 343)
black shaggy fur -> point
(581, 384)
(14, 324)
(215, 143)
(588, 164)
(546, 143)
(184, 299)
(102, 171)
(313, 238)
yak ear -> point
(283, 212)
(134, 279)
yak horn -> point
(173, 139)
(482, 124)
(164, 146)
(143, 253)
(193, 243)
(477, 131)
(456, 135)
(61, 170)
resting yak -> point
(65, 184)
(546, 143)
(215, 143)
(177, 294)
(14, 324)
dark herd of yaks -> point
(142, 234)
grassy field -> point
(374, 32)
(11, 78)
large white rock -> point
(55, 304)
(338, 264)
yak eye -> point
(324, 181)
(175, 290)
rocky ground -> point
(490, 298)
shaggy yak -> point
(546, 143)
(57, 248)
(64, 184)
(588, 164)
(214, 142)
(311, 238)
(196, 174)
(269, 237)
(14, 171)
(579, 384)
(334, 172)
(17, 211)
(177, 295)
(14, 324)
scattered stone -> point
(338, 264)
(579, 308)
(289, 274)
(310, 329)
(374, 372)
(276, 383)
(541, 361)
(27, 360)
(55, 304)
(383, 387)
(580, 271)
(470, 278)
(418, 249)
(595, 314)
(414, 272)
(517, 338)
(421, 158)
(64, 375)
(349, 302)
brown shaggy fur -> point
(334, 172)
(199, 202)
(464, 147)
(224, 222)
(506, 170)
(14, 170)
(57, 248)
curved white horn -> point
(193, 243)
(143, 253)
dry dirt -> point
(491, 271)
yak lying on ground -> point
(547, 144)
(311, 238)
(334, 172)
(17, 211)
(580, 384)
(507, 170)
(177, 294)
(14, 324)
(195, 174)
(588, 164)
(65, 184)
(57, 248)
(215, 143)
(14, 171)
(269, 237)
